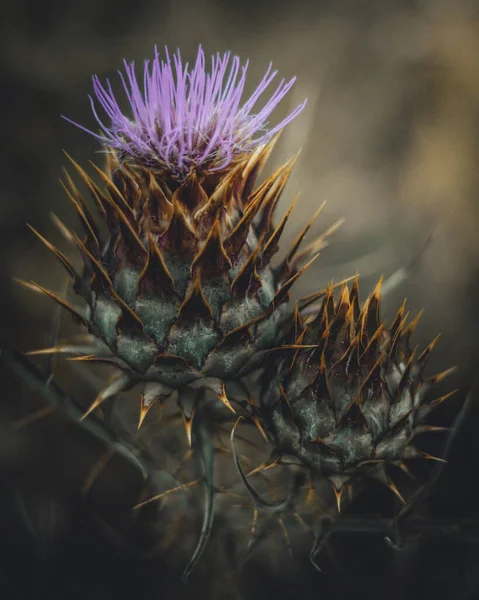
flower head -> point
(184, 119)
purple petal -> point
(184, 118)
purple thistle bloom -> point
(187, 119)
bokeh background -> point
(390, 139)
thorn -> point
(38, 288)
(427, 456)
(236, 239)
(121, 383)
(429, 429)
(267, 464)
(305, 301)
(118, 207)
(101, 273)
(370, 320)
(405, 470)
(394, 344)
(440, 376)
(422, 358)
(210, 207)
(55, 350)
(380, 474)
(180, 234)
(398, 322)
(87, 357)
(373, 340)
(247, 281)
(285, 266)
(392, 486)
(66, 233)
(153, 392)
(178, 488)
(412, 325)
(144, 409)
(224, 398)
(284, 289)
(272, 246)
(442, 399)
(377, 290)
(112, 187)
(29, 285)
(405, 377)
(90, 232)
(344, 304)
(376, 369)
(338, 494)
(298, 325)
(94, 190)
(257, 422)
(156, 272)
(65, 349)
(354, 297)
(271, 191)
(86, 210)
(253, 167)
(212, 257)
(318, 244)
(35, 416)
(61, 257)
(189, 424)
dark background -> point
(390, 139)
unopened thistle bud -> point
(352, 401)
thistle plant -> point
(181, 297)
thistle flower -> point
(180, 295)
(188, 119)
(181, 292)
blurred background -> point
(390, 139)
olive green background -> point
(389, 137)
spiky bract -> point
(352, 404)
(182, 292)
